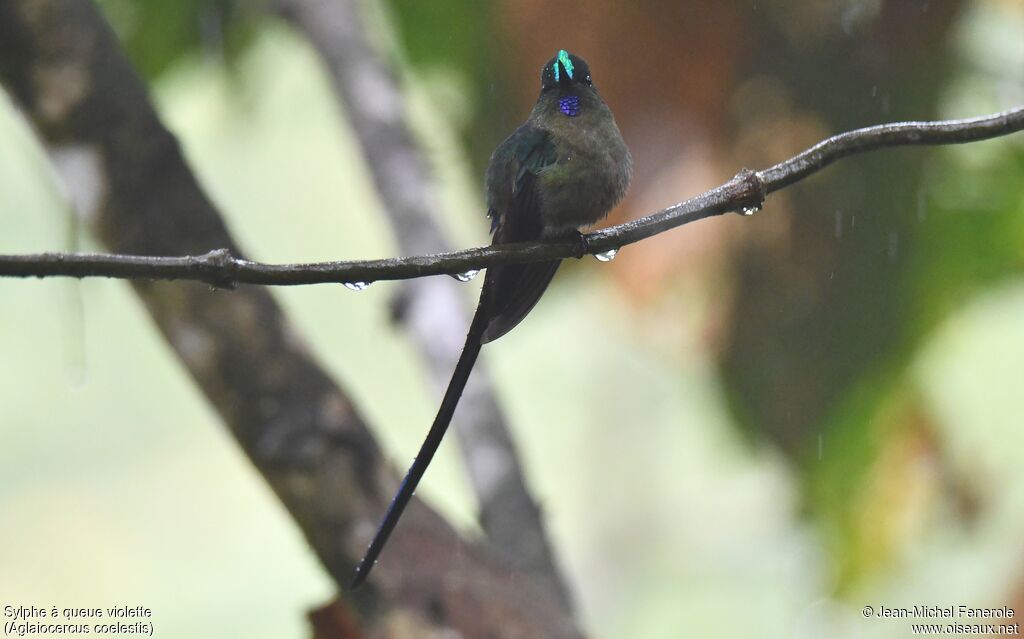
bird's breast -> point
(586, 181)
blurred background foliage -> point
(758, 425)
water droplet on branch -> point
(357, 286)
(750, 210)
(466, 276)
(607, 256)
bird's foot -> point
(582, 245)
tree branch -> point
(745, 192)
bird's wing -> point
(510, 291)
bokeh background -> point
(744, 427)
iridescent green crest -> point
(563, 58)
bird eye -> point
(588, 79)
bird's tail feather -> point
(419, 465)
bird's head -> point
(566, 78)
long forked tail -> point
(427, 450)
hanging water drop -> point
(607, 256)
(357, 286)
(750, 210)
(466, 276)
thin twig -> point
(745, 192)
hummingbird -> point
(561, 170)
